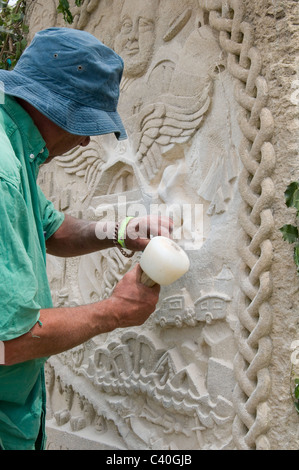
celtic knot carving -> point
(257, 191)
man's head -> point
(72, 80)
(58, 140)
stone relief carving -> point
(194, 104)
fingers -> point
(140, 230)
(137, 272)
(145, 227)
(165, 231)
(159, 225)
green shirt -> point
(27, 220)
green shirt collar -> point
(34, 145)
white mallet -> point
(163, 262)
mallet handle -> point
(147, 281)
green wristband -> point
(122, 231)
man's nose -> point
(85, 141)
(134, 33)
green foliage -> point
(64, 8)
(12, 32)
(290, 232)
(13, 29)
(294, 388)
(291, 235)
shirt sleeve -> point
(51, 218)
(19, 309)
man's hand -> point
(140, 229)
(133, 302)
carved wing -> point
(83, 162)
(172, 121)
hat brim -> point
(69, 115)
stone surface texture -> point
(209, 98)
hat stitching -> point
(95, 129)
(114, 100)
(69, 126)
(112, 57)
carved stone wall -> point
(208, 100)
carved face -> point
(135, 42)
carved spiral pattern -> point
(257, 191)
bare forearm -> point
(60, 329)
(77, 237)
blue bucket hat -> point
(72, 78)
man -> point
(64, 89)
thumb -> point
(138, 272)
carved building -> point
(200, 99)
